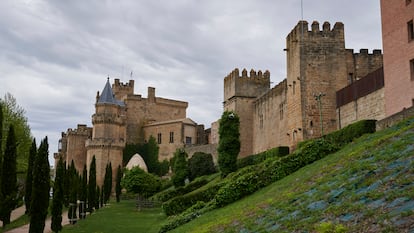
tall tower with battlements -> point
(108, 134)
(240, 92)
(318, 65)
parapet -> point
(248, 84)
(259, 75)
(301, 30)
(121, 89)
(82, 129)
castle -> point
(305, 104)
(122, 117)
(327, 87)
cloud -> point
(57, 54)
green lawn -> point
(119, 218)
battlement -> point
(80, 130)
(365, 52)
(121, 89)
(250, 84)
(301, 30)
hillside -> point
(368, 186)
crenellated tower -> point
(108, 134)
(318, 65)
(240, 92)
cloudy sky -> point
(55, 55)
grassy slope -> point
(120, 217)
(366, 187)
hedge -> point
(258, 158)
(270, 171)
(179, 204)
(169, 194)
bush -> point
(258, 158)
(200, 164)
(179, 204)
(253, 178)
(350, 132)
(138, 181)
(168, 194)
(180, 168)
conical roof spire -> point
(107, 95)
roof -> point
(187, 121)
(107, 96)
(137, 161)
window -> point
(350, 78)
(412, 69)
(261, 121)
(407, 2)
(410, 30)
(188, 140)
(171, 137)
(159, 138)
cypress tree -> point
(229, 143)
(29, 177)
(66, 185)
(118, 187)
(9, 178)
(58, 198)
(101, 198)
(40, 190)
(92, 185)
(73, 193)
(107, 188)
(1, 151)
(83, 193)
(97, 198)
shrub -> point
(229, 144)
(138, 181)
(168, 194)
(200, 164)
(180, 168)
(258, 158)
(179, 204)
(350, 132)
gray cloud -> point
(57, 54)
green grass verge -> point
(120, 217)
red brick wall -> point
(398, 51)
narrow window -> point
(410, 30)
(261, 121)
(159, 138)
(188, 140)
(412, 69)
(171, 137)
(407, 2)
(294, 87)
(350, 78)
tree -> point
(83, 192)
(138, 181)
(73, 192)
(9, 178)
(118, 187)
(1, 151)
(57, 201)
(29, 177)
(13, 114)
(180, 168)
(229, 142)
(97, 197)
(41, 187)
(200, 164)
(92, 185)
(107, 188)
(151, 157)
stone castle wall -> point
(270, 119)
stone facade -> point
(122, 117)
(318, 64)
(397, 18)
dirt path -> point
(25, 228)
